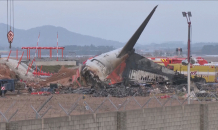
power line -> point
(7, 16)
(10, 14)
(13, 13)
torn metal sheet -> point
(144, 76)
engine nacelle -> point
(192, 61)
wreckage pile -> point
(125, 91)
(139, 89)
(121, 91)
(114, 92)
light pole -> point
(188, 15)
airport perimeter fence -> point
(14, 108)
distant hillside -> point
(48, 37)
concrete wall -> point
(51, 63)
(188, 117)
(103, 121)
(168, 118)
(210, 114)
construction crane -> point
(10, 34)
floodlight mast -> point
(188, 56)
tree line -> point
(87, 50)
(210, 49)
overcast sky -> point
(117, 21)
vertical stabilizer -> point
(132, 41)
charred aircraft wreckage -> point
(123, 65)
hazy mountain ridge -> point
(48, 37)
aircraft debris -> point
(123, 64)
(107, 68)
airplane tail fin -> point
(132, 41)
(165, 61)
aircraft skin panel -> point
(143, 76)
(116, 75)
(104, 64)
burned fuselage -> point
(99, 68)
(123, 64)
(108, 68)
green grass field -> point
(53, 69)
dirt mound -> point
(6, 73)
(63, 76)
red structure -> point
(9, 55)
(19, 60)
(37, 73)
(39, 50)
(30, 65)
(74, 78)
(17, 54)
(42, 73)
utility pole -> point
(188, 15)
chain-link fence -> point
(24, 107)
